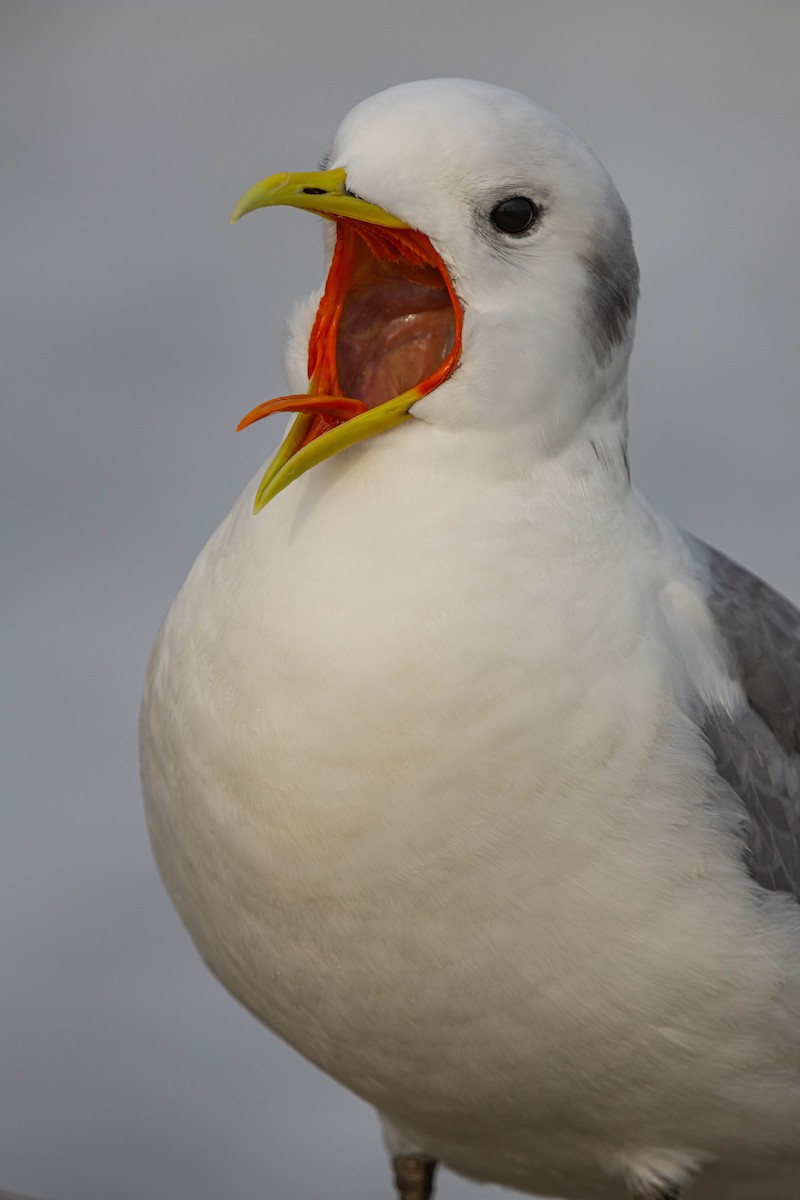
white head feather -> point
(548, 314)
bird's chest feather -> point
(395, 805)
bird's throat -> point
(388, 324)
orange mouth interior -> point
(388, 324)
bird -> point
(471, 775)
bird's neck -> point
(535, 390)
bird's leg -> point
(413, 1174)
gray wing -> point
(758, 753)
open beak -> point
(387, 329)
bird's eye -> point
(515, 215)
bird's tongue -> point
(332, 408)
(386, 323)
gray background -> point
(138, 327)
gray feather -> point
(758, 752)
(613, 284)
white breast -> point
(426, 831)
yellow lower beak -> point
(289, 462)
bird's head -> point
(481, 275)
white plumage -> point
(422, 742)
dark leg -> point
(413, 1175)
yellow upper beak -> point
(323, 192)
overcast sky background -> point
(138, 327)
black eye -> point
(515, 215)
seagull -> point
(472, 776)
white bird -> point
(470, 775)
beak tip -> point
(261, 500)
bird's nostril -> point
(313, 191)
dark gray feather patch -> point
(613, 274)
